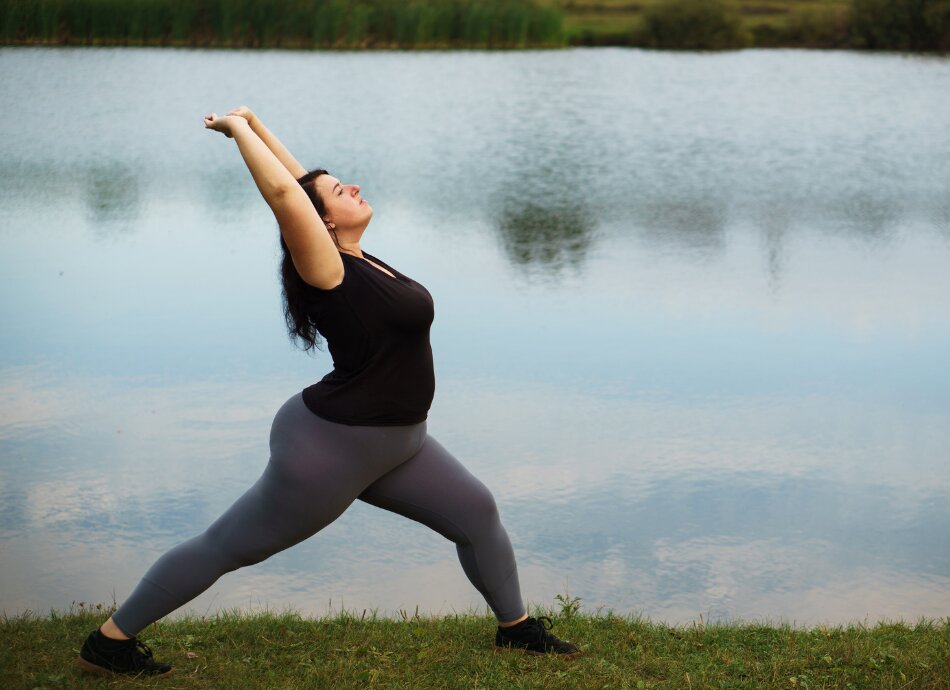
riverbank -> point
(903, 25)
(350, 650)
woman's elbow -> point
(280, 191)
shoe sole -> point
(92, 668)
(512, 648)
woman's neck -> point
(351, 248)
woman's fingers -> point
(212, 120)
(219, 124)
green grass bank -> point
(361, 650)
(904, 25)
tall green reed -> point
(284, 23)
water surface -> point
(691, 323)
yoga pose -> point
(360, 432)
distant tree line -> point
(910, 25)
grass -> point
(357, 650)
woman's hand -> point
(245, 112)
(225, 124)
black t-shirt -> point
(377, 331)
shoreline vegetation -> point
(349, 649)
(896, 25)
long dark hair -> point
(294, 293)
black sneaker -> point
(101, 654)
(532, 636)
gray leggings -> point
(316, 469)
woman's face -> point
(345, 208)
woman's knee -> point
(481, 508)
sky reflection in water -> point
(691, 322)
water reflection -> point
(225, 192)
(93, 511)
(774, 230)
(544, 238)
(730, 523)
(685, 227)
(940, 219)
(869, 217)
(850, 521)
(112, 199)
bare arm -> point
(314, 254)
(271, 141)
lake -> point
(692, 323)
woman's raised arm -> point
(271, 141)
(314, 254)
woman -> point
(360, 432)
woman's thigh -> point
(434, 488)
(316, 470)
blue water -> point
(691, 323)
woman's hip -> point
(298, 431)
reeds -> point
(916, 25)
(283, 23)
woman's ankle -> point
(513, 623)
(111, 630)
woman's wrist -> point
(240, 126)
